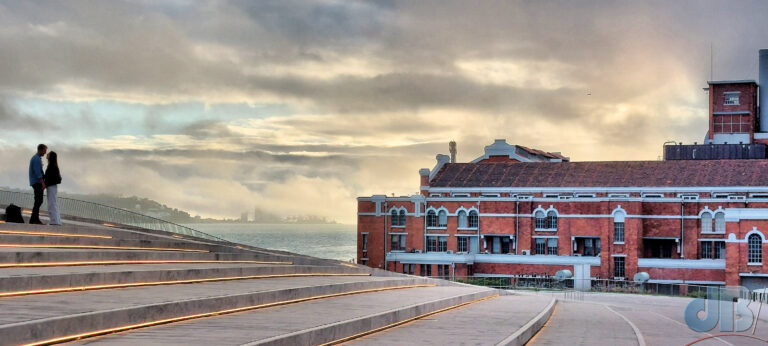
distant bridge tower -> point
(452, 149)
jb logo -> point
(722, 305)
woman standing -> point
(52, 178)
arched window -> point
(431, 219)
(442, 219)
(394, 219)
(706, 223)
(720, 222)
(541, 220)
(473, 220)
(402, 218)
(618, 227)
(462, 219)
(552, 220)
(755, 249)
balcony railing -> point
(103, 213)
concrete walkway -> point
(585, 324)
(501, 317)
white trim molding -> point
(681, 263)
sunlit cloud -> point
(297, 107)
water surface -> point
(323, 241)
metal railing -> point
(104, 213)
(545, 283)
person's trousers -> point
(53, 206)
(38, 202)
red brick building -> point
(698, 217)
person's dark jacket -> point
(52, 176)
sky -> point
(299, 107)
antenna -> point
(711, 63)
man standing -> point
(37, 182)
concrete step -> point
(61, 279)
(506, 320)
(307, 323)
(136, 235)
(45, 317)
(76, 240)
(13, 256)
(83, 228)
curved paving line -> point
(638, 334)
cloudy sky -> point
(298, 107)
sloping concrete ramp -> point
(84, 283)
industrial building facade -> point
(699, 217)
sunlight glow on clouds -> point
(298, 107)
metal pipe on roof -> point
(517, 222)
(763, 83)
(682, 228)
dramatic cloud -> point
(300, 106)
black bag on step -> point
(13, 214)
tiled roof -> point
(605, 174)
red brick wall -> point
(747, 102)
(633, 248)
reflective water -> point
(324, 241)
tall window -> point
(552, 246)
(442, 219)
(712, 249)
(720, 222)
(618, 227)
(461, 244)
(402, 218)
(398, 242)
(618, 232)
(394, 219)
(365, 242)
(706, 223)
(541, 220)
(546, 246)
(443, 271)
(618, 267)
(431, 219)
(431, 244)
(442, 244)
(552, 220)
(473, 220)
(755, 243)
(462, 219)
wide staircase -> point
(94, 283)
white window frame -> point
(653, 195)
(728, 98)
(750, 244)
